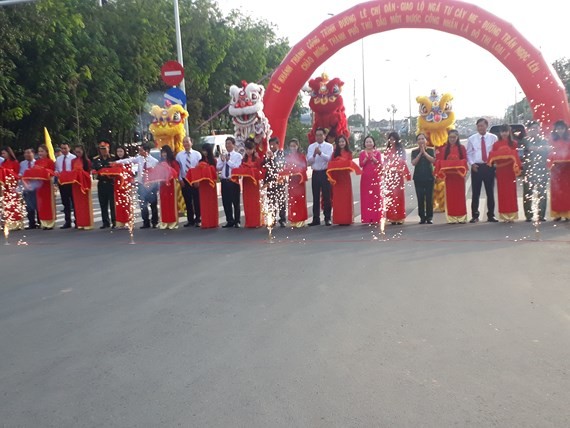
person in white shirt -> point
(230, 190)
(63, 164)
(187, 159)
(479, 146)
(29, 193)
(318, 156)
(147, 191)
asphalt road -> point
(435, 326)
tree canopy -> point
(84, 71)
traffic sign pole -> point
(179, 52)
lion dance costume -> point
(328, 107)
(436, 118)
(167, 128)
(246, 109)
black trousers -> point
(321, 186)
(106, 201)
(278, 198)
(191, 197)
(230, 200)
(484, 175)
(148, 196)
(31, 207)
(66, 200)
(424, 193)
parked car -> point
(218, 142)
(155, 153)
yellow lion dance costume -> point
(167, 126)
(436, 118)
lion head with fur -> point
(328, 106)
(167, 126)
(436, 117)
(246, 109)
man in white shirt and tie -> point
(147, 191)
(479, 146)
(63, 164)
(188, 159)
(29, 194)
(318, 156)
(230, 190)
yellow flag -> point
(49, 145)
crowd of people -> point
(272, 182)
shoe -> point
(474, 220)
(198, 224)
(47, 228)
(542, 219)
(154, 226)
(557, 219)
(105, 226)
(145, 226)
(429, 222)
(225, 226)
(328, 223)
(281, 223)
(315, 223)
(66, 226)
(422, 222)
(492, 220)
(30, 227)
(237, 225)
(188, 224)
(528, 220)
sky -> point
(409, 61)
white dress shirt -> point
(24, 166)
(183, 158)
(59, 162)
(1, 160)
(140, 161)
(233, 161)
(474, 154)
(321, 161)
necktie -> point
(144, 177)
(227, 167)
(188, 163)
(483, 150)
(29, 164)
(64, 168)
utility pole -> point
(354, 97)
(179, 52)
(364, 92)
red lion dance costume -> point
(328, 107)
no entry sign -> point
(172, 73)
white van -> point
(217, 141)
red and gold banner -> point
(341, 164)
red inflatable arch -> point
(538, 80)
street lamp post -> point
(392, 109)
(364, 93)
